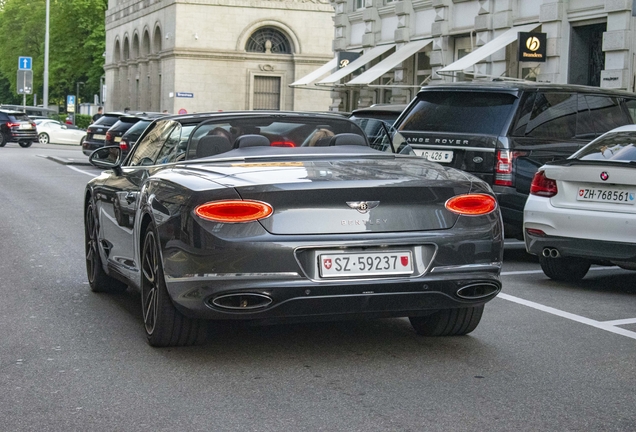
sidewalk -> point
(78, 158)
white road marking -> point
(82, 171)
(522, 272)
(621, 322)
(607, 325)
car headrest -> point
(347, 139)
(211, 145)
(251, 141)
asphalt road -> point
(546, 356)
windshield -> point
(460, 112)
(617, 147)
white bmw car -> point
(52, 131)
(582, 210)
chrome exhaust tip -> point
(477, 291)
(242, 301)
(550, 253)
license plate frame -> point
(439, 156)
(606, 195)
(332, 264)
(99, 137)
(25, 126)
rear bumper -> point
(299, 299)
(22, 136)
(579, 233)
(89, 147)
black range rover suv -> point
(504, 131)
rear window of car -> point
(617, 147)
(122, 125)
(106, 120)
(137, 129)
(460, 112)
(19, 117)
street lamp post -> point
(45, 92)
(77, 86)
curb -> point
(69, 161)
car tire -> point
(25, 144)
(3, 140)
(165, 326)
(448, 322)
(564, 269)
(43, 138)
(98, 280)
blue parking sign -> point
(25, 63)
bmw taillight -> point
(123, 145)
(504, 166)
(543, 186)
(234, 211)
(472, 204)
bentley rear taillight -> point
(234, 211)
(471, 204)
(543, 186)
(283, 144)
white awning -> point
(357, 63)
(317, 74)
(390, 62)
(488, 49)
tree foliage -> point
(76, 46)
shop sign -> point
(532, 47)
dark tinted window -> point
(121, 125)
(19, 117)
(525, 111)
(146, 152)
(106, 120)
(136, 130)
(615, 147)
(460, 112)
(606, 112)
(553, 116)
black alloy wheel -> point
(98, 280)
(25, 144)
(448, 322)
(165, 326)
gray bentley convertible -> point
(275, 217)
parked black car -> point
(115, 134)
(130, 137)
(96, 132)
(503, 132)
(370, 119)
(17, 127)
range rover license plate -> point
(365, 264)
(606, 195)
(440, 156)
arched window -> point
(268, 40)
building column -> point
(618, 46)
(553, 23)
(440, 55)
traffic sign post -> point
(24, 83)
(70, 103)
(25, 63)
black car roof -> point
(518, 86)
(381, 108)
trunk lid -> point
(348, 196)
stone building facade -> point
(408, 43)
(210, 55)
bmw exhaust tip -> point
(478, 291)
(550, 253)
(242, 301)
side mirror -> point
(109, 157)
